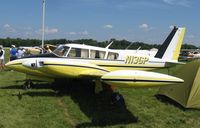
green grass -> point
(46, 107)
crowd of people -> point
(19, 52)
(14, 54)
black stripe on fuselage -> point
(75, 66)
(52, 55)
(166, 43)
(47, 55)
(134, 80)
(16, 64)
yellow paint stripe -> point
(178, 47)
(137, 78)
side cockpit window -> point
(79, 53)
(61, 50)
(112, 56)
(95, 54)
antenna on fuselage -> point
(129, 46)
(109, 44)
(139, 48)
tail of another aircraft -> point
(170, 49)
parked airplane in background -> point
(114, 67)
(189, 54)
(196, 55)
(31, 50)
(38, 50)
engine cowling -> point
(34, 63)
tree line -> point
(118, 44)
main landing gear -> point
(115, 97)
(27, 85)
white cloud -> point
(145, 27)
(9, 29)
(78, 33)
(27, 33)
(108, 26)
(27, 28)
(84, 33)
(6, 26)
(185, 3)
(51, 31)
(48, 31)
(169, 1)
(71, 33)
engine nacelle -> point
(34, 63)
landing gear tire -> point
(27, 85)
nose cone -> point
(28, 66)
(12, 64)
(8, 64)
(21, 64)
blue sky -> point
(134, 20)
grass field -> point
(44, 106)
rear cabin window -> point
(112, 56)
(77, 52)
(97, 54)
(84, 53)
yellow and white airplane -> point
(124, 68)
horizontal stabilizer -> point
(172, 63)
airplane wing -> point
(139, 79)
(92, 74)
(132, 78)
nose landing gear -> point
(27, 85)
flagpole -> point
(43, 22)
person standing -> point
(20, 53)
(2, 53)
(13, 53)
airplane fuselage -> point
(74, 67)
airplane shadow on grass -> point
(36, 86)
(98, 107)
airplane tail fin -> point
(170, 49)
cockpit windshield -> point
(61, 50)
